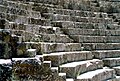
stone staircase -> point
(59, 40)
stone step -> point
(20, 12)
(62, 76)
(105, 8)
(88, 39)
(76, 12)
(91, 32)
(74, 69)
(26, 36)
(79, 13)
(31, 52)
(79, 31)
(101, 54)
(69, 79)
(44, 47)
(27, 20)
(113, 32)
(37, 29)
(111, 62)
(101, 46)
(95, 39)
(59, 38)
(15, 4)
(70, 24)
(66, 57)
(58, 17)
(117, 69)
(18, 38)
(97, 75)
(51, 4)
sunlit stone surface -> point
(59, 40)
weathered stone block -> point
(89, 39)
(117, 70)
(97, 75)
(31, 52)
(62, 76)
(106, 54)
(65, 57)
(74, 69)
(111, 62)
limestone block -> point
(62, 76)
(117, 69)
(72, 47)
(111, 62)
(80, 19)
(21, 20)
(58, 17)
(31, 52)
(29, 28)
(34, 14)
(45, 22)
(52, 47)
(83, 25)
(55, 47)
(106, 54)
(113, 32)
(89, 39)
(65, 57)
(48, 30)
(74, 69)
(34, 21)
(59, 11)
(55, 73)
(97, 75)
(56, 38)
(101, 46)
(113, 39)
(55, 59)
